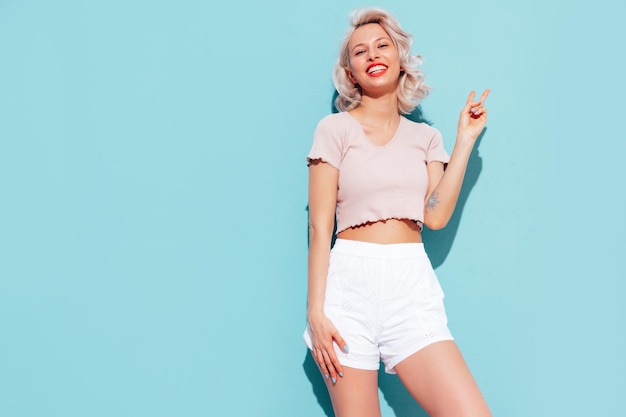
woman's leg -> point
(439, 379)
(356, 394)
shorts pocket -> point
(337, 268)
(430, 296)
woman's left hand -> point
(473, 117)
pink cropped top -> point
(377, 182)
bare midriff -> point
(384, 232)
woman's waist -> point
(389, 231)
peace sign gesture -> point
(473, 117)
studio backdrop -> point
(153, 203)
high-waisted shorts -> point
(385, 301)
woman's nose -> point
(373, 55)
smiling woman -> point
(374, 296)
(374, 59)
(410, 80)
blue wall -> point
(153, 218)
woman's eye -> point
(359, 53)
(383, 45)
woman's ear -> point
(349, 75)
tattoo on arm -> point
(433, 200)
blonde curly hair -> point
(411, 88)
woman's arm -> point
(322, 202)
(444, 187)
(323, 179)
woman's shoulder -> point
(421, 129)
(335, 124)
(336, 119)
(420, 126)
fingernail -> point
(334, 380)
(341, 374)
(346, 349)
(326, 375)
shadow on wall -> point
(317, 383)
(438, 244)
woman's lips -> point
(376, 70)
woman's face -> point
(374, 60)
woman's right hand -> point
(323, 334)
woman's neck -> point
(379, 111)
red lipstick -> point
(378, 72)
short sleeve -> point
(436, 151)
(327, 142)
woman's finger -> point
(470, 98)
(341, 342)
(321, 363)
(484, 95)
(336, 365)
(330, 365)
(476, 109)
(471, 105)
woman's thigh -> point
(439, 379)
(355, 394)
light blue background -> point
(153, 224)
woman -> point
(374, 296)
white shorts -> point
(385, 301)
